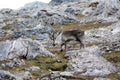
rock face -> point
(33, 5)
(23, 75)
(89, 62)
(101, 78)
(105, 10)
(6, 75)
(12, 64)
(111, 7)
(39, 32)
(24, 48)
(58, 2)
(25, 20)
(108, 37)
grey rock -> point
(1, 16)
(13, 63)
(102, 10)
(2, 34)
(58, 2)
(6, 75)
(107, 9)
(32, 7)
(56, 75)
(39, 32)
(75, 7)
(33, 68)
(8, 12)
(67, 74)
(88, 62)
(53, 17)
(2, 24)
(108, 34)
(100, 78)
(27, 48)
(23, 75)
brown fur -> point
(72, 35)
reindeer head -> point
(53, 35)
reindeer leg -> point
(81, 44)
(62, 46)
(65, 46)
(64, 43)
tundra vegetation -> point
(52, 63)
(100, 20)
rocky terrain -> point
(26, 51)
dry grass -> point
(5, 37)
(114, 58)
(85, 26)
(45, 63)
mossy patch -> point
(47, 63)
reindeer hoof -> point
(53, 44)
(61, 50)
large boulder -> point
(6, 75)
(103, 35)
(23, 75)
(39, 32)
(12, 63)
(27, 48)
(89, 62)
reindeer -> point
(53, 35)
(72, 35)
(67, 36)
